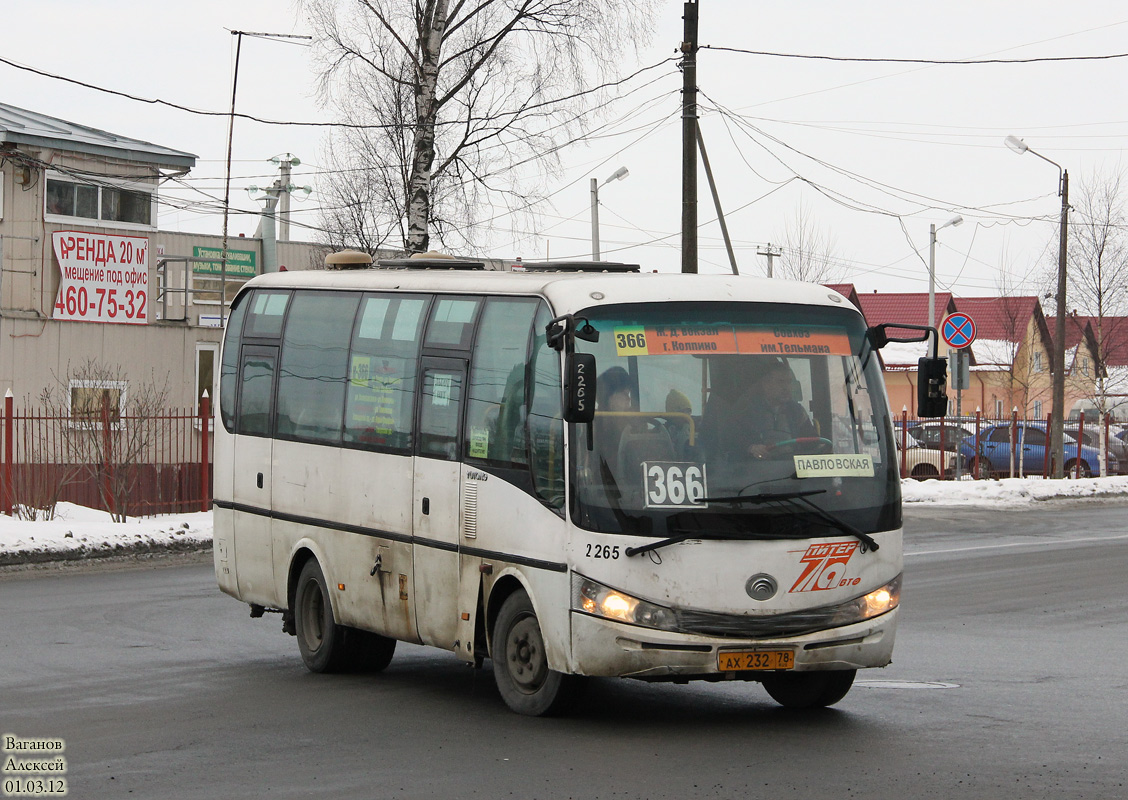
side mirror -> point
(932, 387)
(579, 387)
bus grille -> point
(749, 627)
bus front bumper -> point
(603, 647)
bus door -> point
(254, 423)
(437, 499)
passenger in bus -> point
(613, 397)
(679, 423)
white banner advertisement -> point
(104, 278)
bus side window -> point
(495, 421)
(379, 406)
(268, 311)
(229, 366)
(257, 391)
(314, 366)
(545, 422)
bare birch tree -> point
(448, 96)
(1098, 271)
(807, 252)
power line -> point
(943, 62)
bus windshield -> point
(731, 420)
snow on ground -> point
(79, 532)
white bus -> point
(414, 455)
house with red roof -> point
(1010, 357)
(1102, 365)
(900, 359)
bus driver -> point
(763, 416)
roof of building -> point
(909, 308)
(1110, 332)
(1002, 318)
(22, 127)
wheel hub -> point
(525, 655)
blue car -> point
(1031, 453)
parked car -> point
(1030, 453)
(930, 433)
(1091, 436)
(923, 463)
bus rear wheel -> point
(326, 646)
(809, 689)
(520, 664)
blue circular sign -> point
(958, 330)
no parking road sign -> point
(958, 330)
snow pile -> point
(80, 533)
(1011, 491)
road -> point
(1008, 681)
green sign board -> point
(240, 263)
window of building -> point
(495, 421)
(207, 356)
(1038, 362)
(92, 402)
(1037, 409)
(314, 366)
(125, 205)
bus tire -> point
(370, 652)
(323, 643)
(520, 664)
(809, 689)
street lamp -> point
(956, 220)
(1057, 413)
(617, 175)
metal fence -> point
(127, 465)
(980, 447)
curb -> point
(92, 554)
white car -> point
(922, 463)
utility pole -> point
(285, 163)
(1057, 413)
(771, 252)
(689, 138)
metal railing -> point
(126, 465)
(1016, 457)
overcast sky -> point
(898, 146)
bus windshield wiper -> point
(763, 497)
(799, 498)
(683, 535)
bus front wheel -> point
(809, 689)
(520, 664)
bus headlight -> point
(880, 600)
(602, 601)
